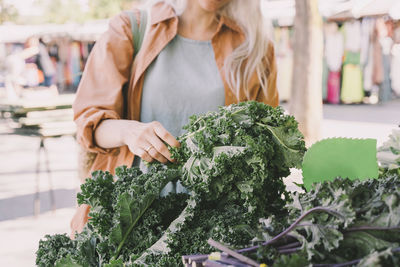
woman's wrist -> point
(127, 129)
(114, 133)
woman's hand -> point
(79, 220)
(146, 140)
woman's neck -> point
(197, 23)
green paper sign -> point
(344, 157)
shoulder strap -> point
(138, 31)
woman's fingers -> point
(160, 147)
(142, 154)
(157, 155)
(149, 153)
(165, 135)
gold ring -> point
(148, 149)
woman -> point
(196, 56)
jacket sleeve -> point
(99, 94)
(270, 97)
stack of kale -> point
(345, 222)
(231, 161)
(338, 223)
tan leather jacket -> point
(100, 95)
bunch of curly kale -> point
(231, 161)
(338, 223)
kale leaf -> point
(54, 248)
(389, 153)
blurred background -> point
(338, 73)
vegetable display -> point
(232, 162)
(348, 221)
(342, 222)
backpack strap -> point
(138, 31)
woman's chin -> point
(213, 5)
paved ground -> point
(387, 113)
(20, 237)
(20, 232)
(18, 180)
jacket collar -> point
(231, 24)
(162, 12)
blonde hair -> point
(250, 56)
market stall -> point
(353, 73)
(68, 46)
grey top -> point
(183, 80)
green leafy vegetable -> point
(389, 152)
(232, 162)
(340, 222)
(133, 203)
(97, 244)
(239, 154)
(54, 248)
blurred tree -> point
(59, 11)
(100, 9)
(306, 95)
(62, 11)
(7, 12)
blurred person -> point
(196, 55)
(41, 60)
(46, 64)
